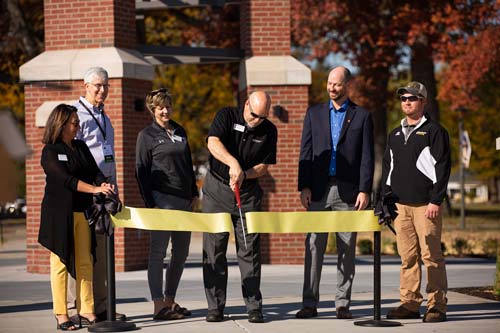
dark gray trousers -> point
(158, 247)
(218, 197)
(315, 246)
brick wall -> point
(265, 31)
(37, 257)
(280, 185)
(131, 245)
(265, 27)
(80, 24)
(127, 123)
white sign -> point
(466, 149)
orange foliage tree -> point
(378, 36)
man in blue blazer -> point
(335, 173)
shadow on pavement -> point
(48, 305)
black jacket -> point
(163, 163)
(416, 171)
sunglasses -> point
(253, 114)
(158, 91)
(409, 98)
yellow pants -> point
(83, 262)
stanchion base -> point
(112, 326)
(377, 323)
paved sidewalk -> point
(25, 301)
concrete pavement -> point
(25, 301)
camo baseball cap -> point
(414, 88)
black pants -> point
(217, 198)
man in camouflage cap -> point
(415, 173)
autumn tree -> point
(199, 90)
(21, 38)
(377, 36)
(471, 81)
(365, 32)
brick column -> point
(80, 34)
(265, 37)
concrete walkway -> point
(25, 299)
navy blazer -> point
(355, 152)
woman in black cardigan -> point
(70, 172)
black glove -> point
(386, 211)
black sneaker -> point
(255, 316)
(214, 316)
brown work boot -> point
(343, 313)
(402, 313)
(434, 316)
(307, 312)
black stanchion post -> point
(111, 324)
(376, 322)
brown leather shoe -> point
(307, 312)
(434, 316)
(402, 313)
(343, 313)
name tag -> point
(108, 153)
(239, 128)
(62, 157)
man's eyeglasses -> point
(253, 114)
(412, 98)
(99, 86)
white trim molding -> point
(273, 70)
(63, 65)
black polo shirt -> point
(250, 146)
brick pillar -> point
(80, 34)
(265, 37)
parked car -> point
(16, 208)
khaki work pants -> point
(419, 241)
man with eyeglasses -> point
(97, 132)
(335, 173)
(415, 173)
(242, 144)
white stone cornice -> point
(62, 65)
(43, 111)
(273, 70)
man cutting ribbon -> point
(242, 144)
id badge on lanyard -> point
(108, 153)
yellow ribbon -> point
(172, 220)
(257, 222)
(301, 222)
